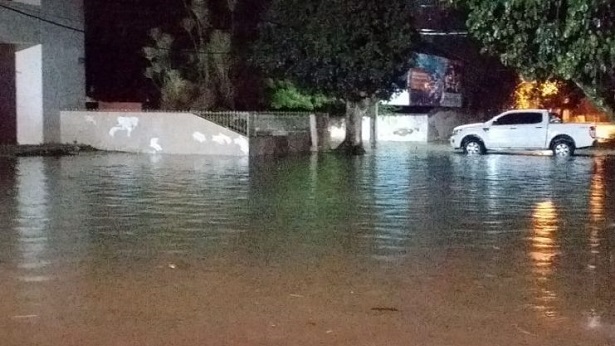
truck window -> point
(532, 118)
(554, 118)
(522, 118)
(508, 119)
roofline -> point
(528, 110)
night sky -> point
(117, 30)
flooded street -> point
(404, 246)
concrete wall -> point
(441, 124)
(63, 63)
(402, 128)
(29, 2)
(389, 128)
(61, 37)
(280, 145)
(16, 28)
(138, 132)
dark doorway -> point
(8, 95)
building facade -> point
(42, 67)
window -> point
(554, 118)
(519, 119)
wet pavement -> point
(405, 246)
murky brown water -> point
(401, 247)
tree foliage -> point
(285, 95)
(552, 94)
(347, 49)
(191, 66)
(563, 39)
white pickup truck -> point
(531, 129)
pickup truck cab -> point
(528, 129)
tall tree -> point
(563, 39)
(354, 51)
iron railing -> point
(236, 121)
(253, 124)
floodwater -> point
(404, 246)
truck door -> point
(518, 130)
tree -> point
(354, 51)
(285, 95)
(192, 67)
(550, 94)
(572, 40)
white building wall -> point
(17, 28)
(57, 26)
(29, 2)
(29, 81)
(63, 63)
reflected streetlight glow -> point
(544, 222)
(543, 252)
(33, 218)
(596, 204)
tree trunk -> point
(373, 131)
(355, 111)
(602, 98)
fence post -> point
(373, 128)
(314, 132)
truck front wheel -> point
(562, 148)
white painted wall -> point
(145, 132)
(400, 99)
(29, 82)
(403, 128)
(63, 70)
(389, 128)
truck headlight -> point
(455, 132)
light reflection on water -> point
(541, 221)
(544, 252)
(32, 218)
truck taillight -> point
(592, 131)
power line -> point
(41, 19)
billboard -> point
(435, 81)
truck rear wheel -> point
(562, 148)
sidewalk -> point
(43, 150)
(601, 149)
